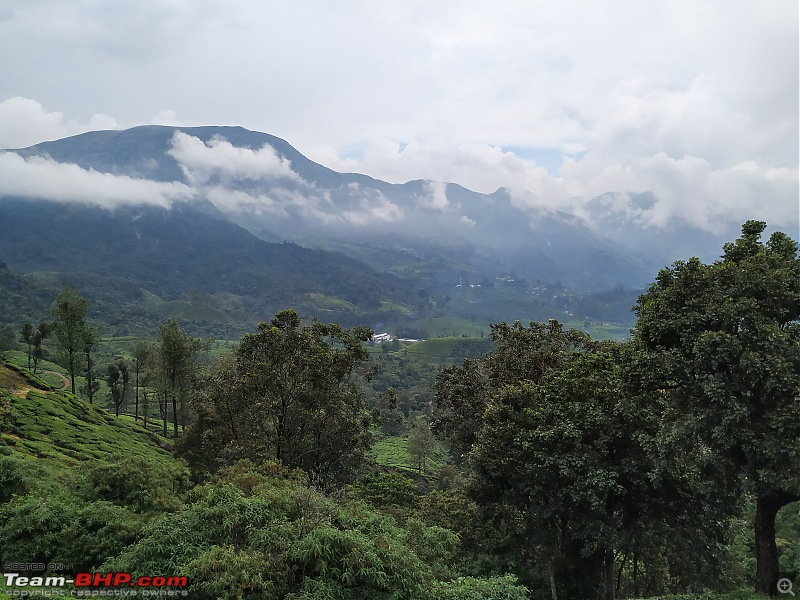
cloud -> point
(219, 159)
(228, 200)
(43, 178)
(648, 89)
(25, 122)
(434, 197)
(373, 210)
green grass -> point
(391, 307)
(436, 350)
(58, 431)
(319, 301)
(452, 327)
(392, 452)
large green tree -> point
(287, 393)
(721, 345)
(69, 324)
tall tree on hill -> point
(177, 361)
(26, 333)
(421, 444)
(89, 342)
(41, 333)
(69, 323)
(722, 347)
(141, 351)
(118, 378)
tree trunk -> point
(175, 414)
(551, 577)
(609, 564)
(136, 412)
(767, 508)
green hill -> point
(56, 431)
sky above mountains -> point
(696, 102)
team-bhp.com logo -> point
(100, 584)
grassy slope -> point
(56, 431)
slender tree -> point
(118, 378)
(177, 361)
(89, 342)
(421, 444)
(26, 333)
(141, 350)
(69, 323)
(39, 336)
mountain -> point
(265, 185)
(188, 253)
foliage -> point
(286, 393)
(522, 354)
(721, 353)
(69, 324)
(470, 588)
(257, 532)
(421, 444)
(387, 489)
(12, 478)
(60, 528)
(142, 485)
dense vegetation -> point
(535, 461)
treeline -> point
(603, 469)
(586, 469)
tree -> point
(721, 345)
(7, 341)
(41, 333)
(89, 342)
(287, 393)
(69, 314)
(117, 380)
(421, 444)
(141, 351)
(176, 359)
(521, 354)
(26, 333)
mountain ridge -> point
(261, 182)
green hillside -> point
(55, 431)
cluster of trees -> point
(166, 369)
(588, 469)
(601, 466)
(286, 392)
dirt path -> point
(64, 379)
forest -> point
(536, 462)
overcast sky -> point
(696, 101)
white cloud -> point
(374, 210)
(43, 178)
(220, 159)
(421, 90)
(434, 196)
(25, 122)
(228, 200)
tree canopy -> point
(721, 345)
(287, 393)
